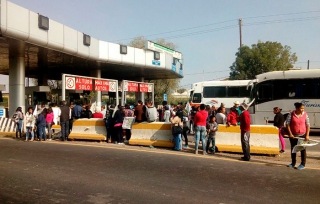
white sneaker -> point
(120, 143)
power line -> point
(195, 27)
(249, 24)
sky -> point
(205, 31)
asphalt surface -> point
(75, 172)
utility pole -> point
(308, 64)
(240, 30)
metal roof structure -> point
(52, 48)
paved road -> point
(71, 172)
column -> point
(142, 94)
(16, 76)
(97, 74)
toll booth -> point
(37, 95)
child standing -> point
(212, 128)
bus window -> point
(214, 92)
(243, 92)
(196, 98)
(233, 91)
(265, 92)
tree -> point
(261, 57)
(161, 86)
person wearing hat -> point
(236, 105)
(245, 131)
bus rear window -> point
(196, 98)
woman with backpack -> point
(278, 121)
(18, 118)
(177, 129)
(41, 125)
(30, 122)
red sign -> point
(101, 85)
(132, 86)
(83, 84)
(143, 87)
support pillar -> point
(97, 73)
(16, 76)
(142, 94)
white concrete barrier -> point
(264, 139)
(7, 125)
(89, 129)
(157, 134)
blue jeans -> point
(42, 131)
(49, 130)
(200, 134)
(64, 130)
(29, 132)
(177, 142)
(18, 128)
(213, 141)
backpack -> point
(15, 117)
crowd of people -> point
(201, 121)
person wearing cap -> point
(236, 105)
(245, 131)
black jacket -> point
(278, 120)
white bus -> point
(282, 89)
(217, 92)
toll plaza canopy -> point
(33, 45)
(61, 49)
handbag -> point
(284, 132)
(117, 124)
(176, 130)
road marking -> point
(184, 153)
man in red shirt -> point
(200, 121)
(245, 131)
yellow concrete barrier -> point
(264, 139)
(89, 129)
(157, 134)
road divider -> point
(264, 139)
(157, 134)
(89, 129)
(7, 126)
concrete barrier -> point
(264, 139)
(89, 129)
(157, 134)
(7, 126)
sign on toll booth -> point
(134, 86)
(84, 84)
(74, 82)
